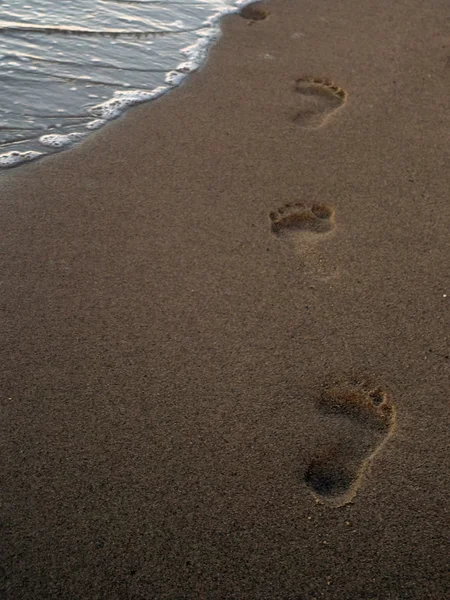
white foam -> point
(113, 107)
(95, 124)
(55, 140)
(175, 78)
(196, 53)
(10, 159)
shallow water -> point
(69, 66)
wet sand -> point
(207, 393)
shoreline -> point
(101, 114)
(178, 291)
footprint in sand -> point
(292, 218)
(319, 99)
(363, 419)
(254, 12)
(302, 226)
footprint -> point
(302, 227)
(320, 98)
(289, 218)
(363, 420)
(254, 12)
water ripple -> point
(67, 68)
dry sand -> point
(167, 332)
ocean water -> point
(70, 66)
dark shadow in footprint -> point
(319, 99)
(317, 218)
(367, 419)
(254, 12)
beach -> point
(201, 300)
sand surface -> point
(167, 331)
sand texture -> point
(225, 326)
